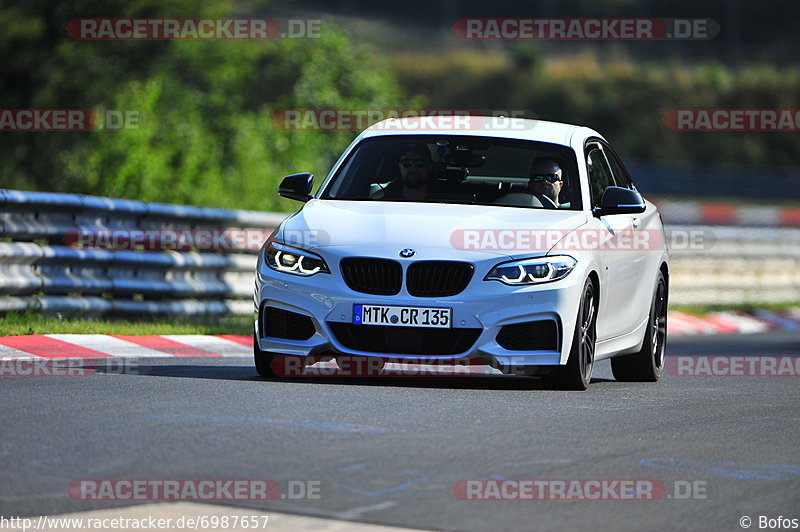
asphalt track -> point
(390, 451)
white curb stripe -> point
(212, 344)
(108, 345)
(743, 323)
(9, 353)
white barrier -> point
(40, 271)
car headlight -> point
(532, 271)
(292, 260)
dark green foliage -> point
(207, 134)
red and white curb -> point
(692, 213)
(732, 322)
(233, 346)
(110, 346)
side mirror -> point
(618, 200)
(297, 187)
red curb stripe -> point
(692, 324)
(239, 339)
(718, 213)
(44, 346)
(165, 345)
(790, 217)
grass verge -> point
(743, 307)
(19, 323)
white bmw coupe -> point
(519, 244)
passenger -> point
(416, 171)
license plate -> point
(441, 318)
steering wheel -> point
(546, 202)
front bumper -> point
(484, 307)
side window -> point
(600, 176)
(620, 174)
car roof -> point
(484, 126)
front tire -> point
(577, 373)
(262, 359)
(648, 363)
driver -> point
(544, 186)
(546, 181)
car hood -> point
(441, 229)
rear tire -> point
(577, 373)
(648, 363)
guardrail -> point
(734, 265)
(39, 269)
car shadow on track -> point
(247, 373)
(483, 382)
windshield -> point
(459, 169)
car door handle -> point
(635, 222)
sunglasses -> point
(418, 163)
(551, 178)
